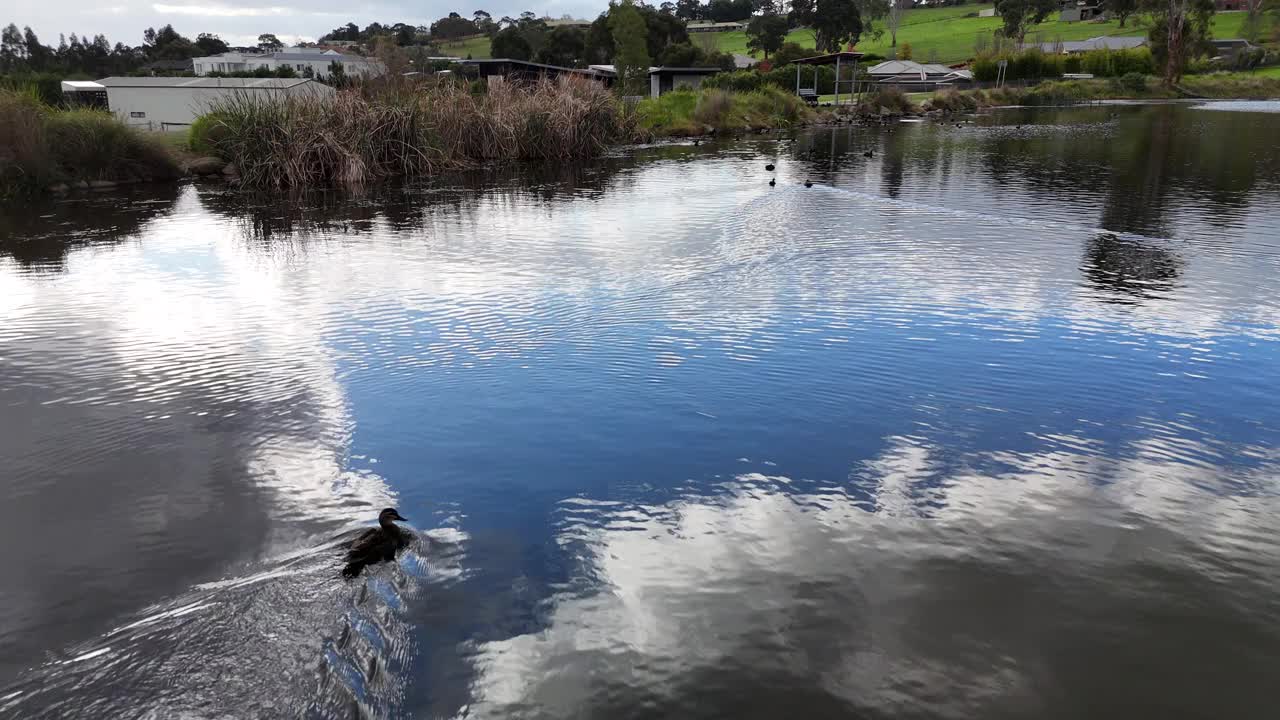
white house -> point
(298, 59)
(160, 103)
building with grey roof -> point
(307, 62)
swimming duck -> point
(807, 183)
(769, 167)
(868, 154)
(772, 182)
(376, 545)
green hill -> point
(946, 35)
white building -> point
(298, 59)
(159, 103)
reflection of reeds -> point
(358, 135)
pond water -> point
(983, 424)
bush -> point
(205, 133)
(1130, 82)
(686, 112)
(1033, 64)
(95, 145)
(40, 146)
(951, 101)
(889, 97)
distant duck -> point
(772, 182)
(808, 183)
(376, 545)
(868, 154)
(769, 167)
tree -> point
(1179, 32)
(833, 22)
(510, 43)
(898, 10)
(1121, 9)
(484, 23)
(789, 53)
(766, 33)
(565, 45)
(667, 8)
(453, 26)
(337, 74)
(904, 52)
(269, 43)
(1020, 15)
(211, 44)
(689, 9)
(631, 58)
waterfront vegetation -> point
(42, 146)
(403, 130)
(695, 112)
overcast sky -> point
(239, 22)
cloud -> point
(224, 10)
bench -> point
(809, 95)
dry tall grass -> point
(363, 134)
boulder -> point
(206, 166)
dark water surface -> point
(983, 426)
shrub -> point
(1133, 82)
(25, 157)
(889, 97)
(686, 112)
(951, 101)
(205, 133)
(95, 145)
(40, 145)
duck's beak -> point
(399, 517)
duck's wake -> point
(288, 640)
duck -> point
(773, 181)
(808, 183)
(769, 167)
(376, 545)
(868, 154)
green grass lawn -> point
(477, 47)
(1271, 72)
(945, 35)
(936, 34)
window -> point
(137, 114)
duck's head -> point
(386, 517)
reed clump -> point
(42, 146)
(364, 134)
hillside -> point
(935, 34)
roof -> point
(909, 69)
(81, 85)
(204, 82)
(498, 61)
(683, 70)
(1102, 42)
(829, 58)
(285, 56)
(714, 24)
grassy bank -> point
(359, 136)
(41, 147)
(945, 34)
(694, 112)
